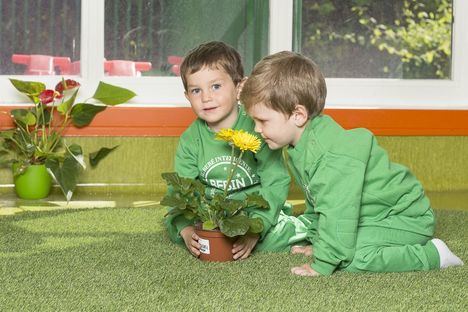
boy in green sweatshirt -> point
(363, 212)
(212, 75)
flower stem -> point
(233, 169)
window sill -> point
(168, 121)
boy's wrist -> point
(186, 229)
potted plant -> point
(220, 218)
(35, 147)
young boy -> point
(363, 213)
(212, 75)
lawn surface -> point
(121, 260)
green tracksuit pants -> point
(287, 232)
(390, 250)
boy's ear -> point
(300, 115)
(186, 95)
(239, 87)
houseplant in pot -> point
(35, 147)
(218, 219)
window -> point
(403, 39)
(159, 32)
(139, 44)
(393, 54)
(45, 43)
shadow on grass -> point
(15, 238)
(33, 232)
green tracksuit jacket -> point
(363, 212)
(200, 155)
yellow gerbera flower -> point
(225, 135)
(246, 141)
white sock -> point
(447, 257)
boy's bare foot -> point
(304, 270)
(305, 250)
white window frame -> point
(342, 93)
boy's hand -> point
(191, 240)
(244, 245)
(304, 270)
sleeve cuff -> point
(323, 268)
(181, 223)
(175, 226)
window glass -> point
(150, 37)
(40, 37)
(410, 39)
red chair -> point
(126, 68)
(175, 61)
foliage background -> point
(377, 39)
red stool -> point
(125, 68)
(37, 64)
(175, 61)
(74, 68)
(63, 63)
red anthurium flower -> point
(48, 96)
(66, 85)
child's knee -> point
(366, 260)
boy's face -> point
(277, 129)
(213, 97)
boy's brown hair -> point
(283, 80)
(213, 54)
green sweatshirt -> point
(352, 189)
(199, 155)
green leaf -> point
(233, 206)
(96, 157)
(5, 162)
(76, 152)
(173, 201)
(7, 134)
(23, 117)
(83, 113)
(43, 116)
(19, 168)
(65, 173)
(30, 88)
(65, 106)
(256, 225)
(189, 215)
(234, 226)
(112, 95)
(256, 200)
(7, 157)
(209, 225)
(172, 178)
(185, 186)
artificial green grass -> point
(121, 260)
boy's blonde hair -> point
(283, 80)
(213, 54)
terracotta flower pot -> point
(215, 246)
(34, 183)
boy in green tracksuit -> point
(212, 75)
(363, 213)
